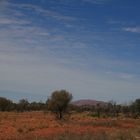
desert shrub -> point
(58, 103)
(105, 124)
(5, 104)
(20, 130)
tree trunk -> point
(60, 115)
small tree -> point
(23, 105)
(5, 104)
(98, 109)
(58, 102)
(137, 104)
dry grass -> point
(43, 126)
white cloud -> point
(44, 12)
(12, 21)
(132, 29)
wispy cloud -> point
(96, 1)
(123, 76)
(38, 56)
(132, 29)
(12, 21)
(44, 12)
(32, 73)
(115, 22)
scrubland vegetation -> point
(40, 125)
(57, 119)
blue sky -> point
(88, 47)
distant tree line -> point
(21, 106)
(111, 109)
(59, 104)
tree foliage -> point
(5, 104)
(58, 102)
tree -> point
(5, 104)
(137, 104)
(98, 109)
(58, 102)
(23, 105)
(135, 108)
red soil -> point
(37, 124)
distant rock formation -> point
(88, 102)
